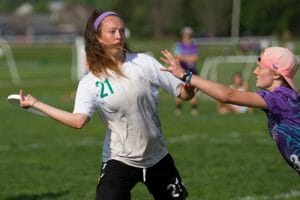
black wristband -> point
(187, 75)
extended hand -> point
(172, 63)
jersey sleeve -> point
(84, 100)
(276, 101)
(164, 79)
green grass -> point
(228, 157)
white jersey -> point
(127, 106)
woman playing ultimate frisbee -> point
(278, 97)
(123, 88)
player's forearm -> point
(218, 91)
(64, 117)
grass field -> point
(228, 157)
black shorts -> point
(162, 180)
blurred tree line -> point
(165, 18)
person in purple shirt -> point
(187, 52)
(278, 97)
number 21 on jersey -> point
(105, 88)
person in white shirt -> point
(123, 88)
(237, 83)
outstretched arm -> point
(67, 118)
(216, 90)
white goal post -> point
(211, 64)
(6, 52)
(209, 68)
(79, 65)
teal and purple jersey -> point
(187, 49)
(284, 122)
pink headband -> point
(101, 18)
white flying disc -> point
(14, 99)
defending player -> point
(278, 97)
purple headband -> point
(101, 18)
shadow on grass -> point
(44, 196)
